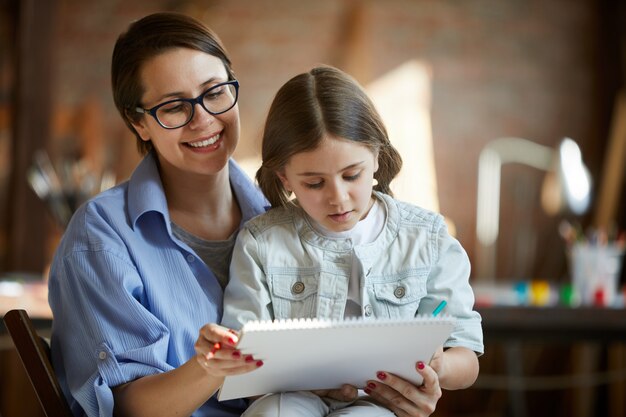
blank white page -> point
(323, 354)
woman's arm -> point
(175, 393)
(181, 391)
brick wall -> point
(530, 69)
(540, 70)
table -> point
(585, 329)
(556, 324)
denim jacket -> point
(282, 268)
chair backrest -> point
(34, 353)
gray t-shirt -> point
(216, 254)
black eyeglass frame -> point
(193, 101)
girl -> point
(343, 247)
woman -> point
(141, 268)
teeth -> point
(207, 142)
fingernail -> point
(249, 358)
(381, 375)
(259, 363)
(420, 365)
(217, 346)
(232, 341)
(236, 354)
(371, 385)
(367, 391)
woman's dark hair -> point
(146, 38)
(311, 106)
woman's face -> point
(205, 144)
(333, 182)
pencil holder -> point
(595, 271)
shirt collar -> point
(145, 191)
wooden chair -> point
(34, 353)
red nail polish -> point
(420, 365)
(236, 354)
(367, 391)
(371, 385)
(249, 358)
(232, 341)
(381, 375)
(259, 363)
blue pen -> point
(440, 307)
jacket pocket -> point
(399, 298)
(294, 295)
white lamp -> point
(568, 185)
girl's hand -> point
(345, 393)
(216, 352)
(404, 398)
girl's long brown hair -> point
(311, 106)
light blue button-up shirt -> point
(128, 298)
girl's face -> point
(203, 146)
(333, 183)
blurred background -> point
(449, 77)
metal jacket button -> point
(399, 292)
(297, 287)
(368, 310)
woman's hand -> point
(404, 398)
(216, 352)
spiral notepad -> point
(320, 354)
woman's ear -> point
(140, 127)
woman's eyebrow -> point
(214, 80)
(178, 94)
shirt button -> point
(190, 258)
(399, 292)
(297, 288)
(368, 310)
(102, 355)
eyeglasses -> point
(177, 113)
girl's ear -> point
(284, 180)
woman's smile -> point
(213, 142)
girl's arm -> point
(456, 367)
(183, 390)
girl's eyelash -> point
(314, 186)
(319, 185)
